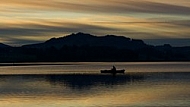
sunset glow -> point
(35, 21)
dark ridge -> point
(4, 46)
(82, 39)
(86, 47)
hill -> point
(4, 46)
(87, 47)
(82, 39)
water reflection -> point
(86, 81)
(62, 85)
(148, 89)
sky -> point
(155, 21)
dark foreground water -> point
(81, 85)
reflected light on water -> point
(92, 67)
(91, 89)
(61, 90)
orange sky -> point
(24, 21)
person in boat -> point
(113, 69)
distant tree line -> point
(93, 53)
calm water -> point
(145, 84)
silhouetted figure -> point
(114, 69)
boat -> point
(113, 71)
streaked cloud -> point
(46, 30)
(106, 6)
(36, 20)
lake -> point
(80, 84)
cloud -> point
(106, 6)
(36, 29)
(39, 31)
(38, 20)
(155, 7)
(35, 32)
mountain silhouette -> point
(82, 39)
(86, 47)
(4, 46)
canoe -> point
(112, 71)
